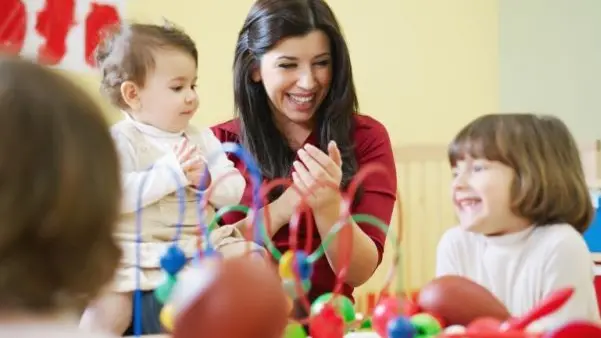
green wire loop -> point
(358, 218)
(320, 251)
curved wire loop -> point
(259, 222)
(181, 197)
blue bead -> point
(173, 260)
(305, 269)
(401, 327)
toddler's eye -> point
(478, 167)
(177, 89)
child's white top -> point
(157, 186)
(141, 147)
(522, 268)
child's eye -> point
(177, 89)
(193, 87)
(287, 65)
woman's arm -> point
(351, 247)
(278, 212)
(361, 245)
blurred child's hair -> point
(59, 191)
(549, 185)
(126, 54)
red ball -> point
(458, 301)
(327, 323)
(576, 329)
(246, 299)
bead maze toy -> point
(246, 296)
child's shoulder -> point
(203, 137)
(560, 238)
(457, 239)
(199, 131)
(122, 128)
(458, 234)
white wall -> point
(550, 60)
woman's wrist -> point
(277, 217)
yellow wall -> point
(424, 67)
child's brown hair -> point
(126, 54)
(549, 185)
(59, 191)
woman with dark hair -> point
(296, 108)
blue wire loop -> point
(256, 180)
(181, 194)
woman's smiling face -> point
(296, 74)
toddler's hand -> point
(191, 162)
(184, 152)
(194, 170)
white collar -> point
(511, 238)
(152, 130)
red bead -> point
(410, 308)
(388, 309)
(327, 324)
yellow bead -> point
(286, 267)
(166, 317)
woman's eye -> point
(323, 63)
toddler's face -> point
(481, 191)
(168, 99)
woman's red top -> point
(372, 145)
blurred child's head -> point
(150, 72)
(516, 170)
(59, 192)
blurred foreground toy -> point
(455, 307)
(522, 327)
(459, 301)
(239, 297)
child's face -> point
(168, 99)
(481, 196)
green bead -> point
(295, 330)
(425, 325)
(345, 306)
(163, 292)
(365, 324)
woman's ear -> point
(131, 95)
(255, 73)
